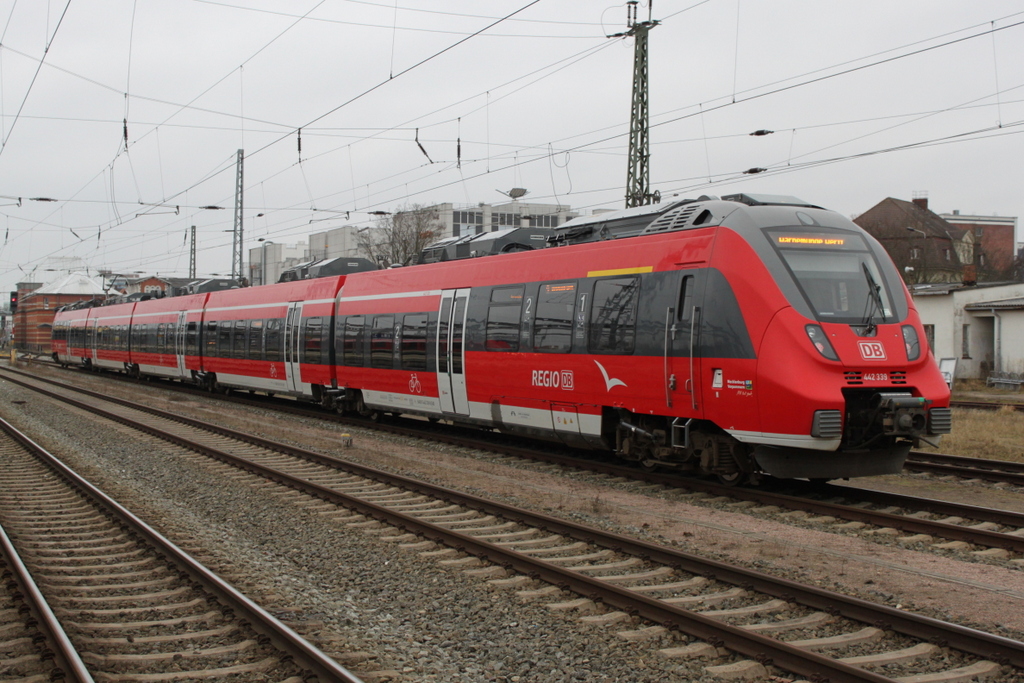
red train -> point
(728, 336)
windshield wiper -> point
(875, 301)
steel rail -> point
(966, 461)
(765, 649)
(69, 665)
(261, 621)
(903, 523)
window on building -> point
(965, 341)
(613, 315)
(552, 327)
(949, 254)
(915, 254)
(979, 231)
(546, 221)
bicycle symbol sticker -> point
(414, 384)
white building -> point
(981, 326)
(271, 258)
(468, 219)
(334, 243)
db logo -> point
(871, 350)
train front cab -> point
(852, 385)
(70, 337)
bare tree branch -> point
(398, 238)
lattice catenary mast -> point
(638, 176)
(236, 242)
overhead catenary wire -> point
(28, 91)
(488, 154)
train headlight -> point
(911, 341)
(820, 341)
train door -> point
(292, 326)
(90, 340)
(451, 333)
(180, 349)
(682, 345)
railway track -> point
(995, 471)
(702, 606)
(93, 593)
(943, 464)
(973, 531)
(985, 405)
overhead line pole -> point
(638, 176)
(192, 256)
(236, 242)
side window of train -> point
(161, 337)
(382, 342)
(210, 338)
(503, 314)
(191, 339)
(613, 315)
(353, 342)
(273, 339)
(312, 340)
(414, 342)
(552, 326)
(224, 338)
(684, 311)
(255, 351)
(238, 342)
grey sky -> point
(540, 101)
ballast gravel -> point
(362, 596)
(387, 613)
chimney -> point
(920, 197)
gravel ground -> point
(389, 614)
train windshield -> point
(837, 274)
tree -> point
(398, 238)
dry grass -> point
(996, 434)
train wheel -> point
(649, 465)
(731, 479)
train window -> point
(442, 335)
(552, 328)
(414, 341)
(353, 342)
(151, 338)
(161, 337)
(240, 339)
(273, 339)
(224, 338)
(191, 339)
(503, 319)
(210, 338)
(458, 326)
(255, 340)
(382, 342)
(685, 310)
(613, 315)
(312, 340)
